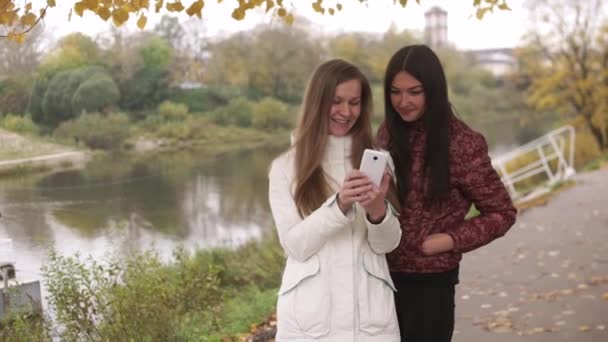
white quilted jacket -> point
(336, 285)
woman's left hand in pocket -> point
(437, 243)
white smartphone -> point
(373, 164)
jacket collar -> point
(338, 148)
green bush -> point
(96, 131)
(585, 148)
(174, 130)
(147, 88)
(152, 122)
(271, 114)
(203, 99)
(19, 124)
(25, 327)
(34, 105)
(71, 91)
(206, 296)
(171, 111)
(236, 113)
(192, 128)
(95, 94)
(53, 109)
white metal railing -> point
(551, 155)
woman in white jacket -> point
(334, 225)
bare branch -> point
(41, 17)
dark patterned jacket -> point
(473, 180)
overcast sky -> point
(499, 29)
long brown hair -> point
(311, 186)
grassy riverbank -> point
(19, 151)
(17, 146)
(209, 295)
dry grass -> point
(15, 146)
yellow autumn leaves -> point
(12, 14)
(277, 6)
(318, 7)
(118, 10)
(20, 17)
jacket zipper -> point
(352, 252)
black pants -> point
(425, 311)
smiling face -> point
(408, 97)
(346, 108)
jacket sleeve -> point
(301, 238)
(386, 235)
(479, 182)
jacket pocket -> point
(304, 302)
(377, 313)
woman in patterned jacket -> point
(442, 168)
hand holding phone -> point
(373, 164)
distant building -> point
(498, 61)
(190, 85)
(436, 27)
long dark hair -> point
(424, 65)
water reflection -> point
(123, 204)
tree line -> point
(561, 74)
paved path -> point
(547, 279)
(48, 158)
(35, 152)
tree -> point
(190, 47)
(270, 114)
(150, 83)
(22, 59)
(18, 64)
(566, 62)
(22, 17)
(355, 48)
(251, 61)
(489, 104)
(72, 52)
(122, 56)
(370, 51)
(170, 30)
(14, 95)
(69, 92)
(96, 94)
